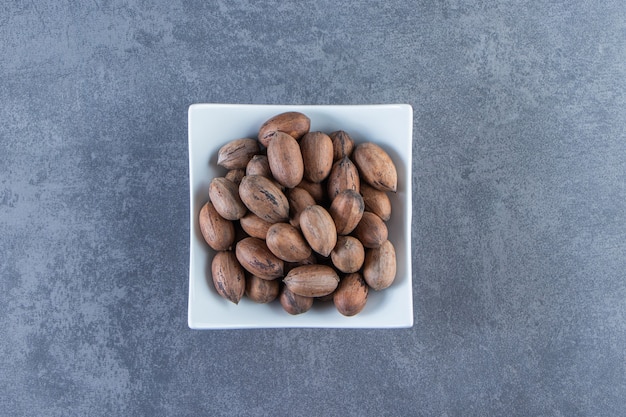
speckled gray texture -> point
(519, 230)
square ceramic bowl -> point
(213, 125)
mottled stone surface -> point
(519, 229)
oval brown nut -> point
(318, 229)
(294, 303)
(346, 210)
(262, 290)
(217, 232)
(285, 160)
(348, 255)
(371, 230)
(376, 201)
(312, 280)
(343, 176)
(343, 145)
(287, 243)
(259, 165)
(236, 154)
(254, 226)
(350, 296)
(228, 276)
(317, 155)
(316, 190)
(224, 195)
(293, 123)
(262, 197)
(298, 199)
(254, 256)
(235, 175)
(376, 166)
(379, 269)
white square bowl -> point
(213, 125)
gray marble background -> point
(519, 228)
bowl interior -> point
(213, 125)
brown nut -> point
(262, 197)
(224, 195)
(318, 229)
(317, 154)
(298, 199)
(348, 255)
(259, 165)
(262, 290)
(235, 175)
(218, 232)
(253, 254)
(379, 269)
(287, 243)
(236, 154)
(312, 280)
(293, 303)
(371, 230)
(376, 166)
(228, 276)
(343, 176)
(376, 201)
(293, 123)
(316, 189)
(346, 210)
(350, 296)
(285, 160)
(254, 226)
(343, 145)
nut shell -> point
(254, 226)
(287, 243)
(348, 255)
(376, 167)
(236, 154)
(254, 256)
(312, 280)
(379, 269)
(350, 296)
(343, 145)
(285, 160)
(317, 155)
(262, 197)
(316, 189)
(371, 230)
(217, 232)
(224, 195)
(295, 124)
(318, 229)
(347, 210)
(298, 199)
(235, 175)
(259, 165)
(343, 176)
(262, 290)
(228, 276)
(376, 201)
(293, 303)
